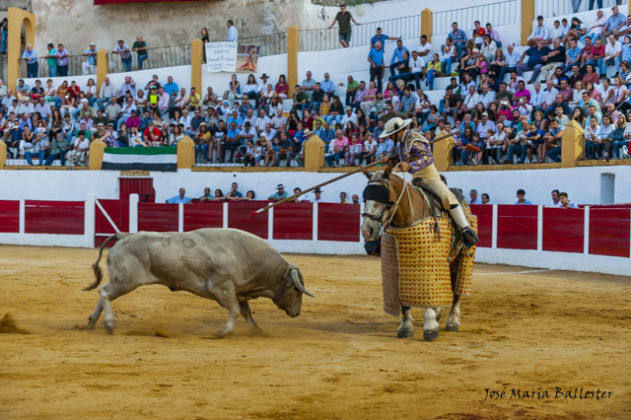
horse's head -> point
(379, 197)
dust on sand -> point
(338, 360)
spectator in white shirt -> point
(262, 120)
(106, 93)
(349, 115)
(447, 55)
(487, 96)
(539, 32)
(597, 26)
(233, 34)
(613, 54)
(512, 58)
(549, 93)
(424, 48)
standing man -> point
(415, 155)
(123, 50)
(140, 47)
(381, 37)
(62, 60)
(233, 34)
(31, 61)
(344, 18)
(52, 60)
(89, 67)
(377, 64)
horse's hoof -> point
(405, 333)
(452, 327)
(430, 335)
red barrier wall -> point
(238, 217)
(517, 227)
(157, 217)
(338, 222)
(118, 211)
(203, 215)
(293, 221)
(609, 232)
(563, 229)
(9, 216)
(485, 223)
(54, 217)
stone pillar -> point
(293, 46)
(314, 154)
(3, 153)
(527, 17)
(17, 17)
(443, 158)
(573, 144)
(102, 68)
(427, 24)
(97, 149)
(186, 153)
(197, 59)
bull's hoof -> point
(405, 333)
(258, 332)
(452, 327)
(430, 335)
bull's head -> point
(288, 296)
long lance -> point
(353, 172)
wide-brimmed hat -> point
(317, 190)
(307, 132)
(264, 76)
(394, 125)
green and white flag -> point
(147, 158)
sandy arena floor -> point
(339, 359)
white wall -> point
(582, 184)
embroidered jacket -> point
(415, 150)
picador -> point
(415, 156)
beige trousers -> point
(431, 178)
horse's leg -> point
(439, 312)
(406, 329)
(430, 327)
(453, 321)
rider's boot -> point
(468, 235)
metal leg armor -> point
(469, 237)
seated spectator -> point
(565, 201)
(539, 33)
(180, 198)
(521, 198)
(279, 194)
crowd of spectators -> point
(576, 72)
(559, 199)
(233, 194)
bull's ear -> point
(365, 172)
(388, 171)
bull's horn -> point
(296, 280)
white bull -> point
(228, 265)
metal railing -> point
(75, 67)
(166, 56)
(270, 44)
(551, 8)
(328, 39)
(501, 13)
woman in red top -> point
(590, 75)
(282, 88)
(307, 119)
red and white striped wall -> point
(594, 238)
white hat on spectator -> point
(394, 125)
(475, 50)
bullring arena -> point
(522, 329)
(196, 186)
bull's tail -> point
(98, 273)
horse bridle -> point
(377, 191)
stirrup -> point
(468, 236)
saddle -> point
(433, 200)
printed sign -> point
(221, 56)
